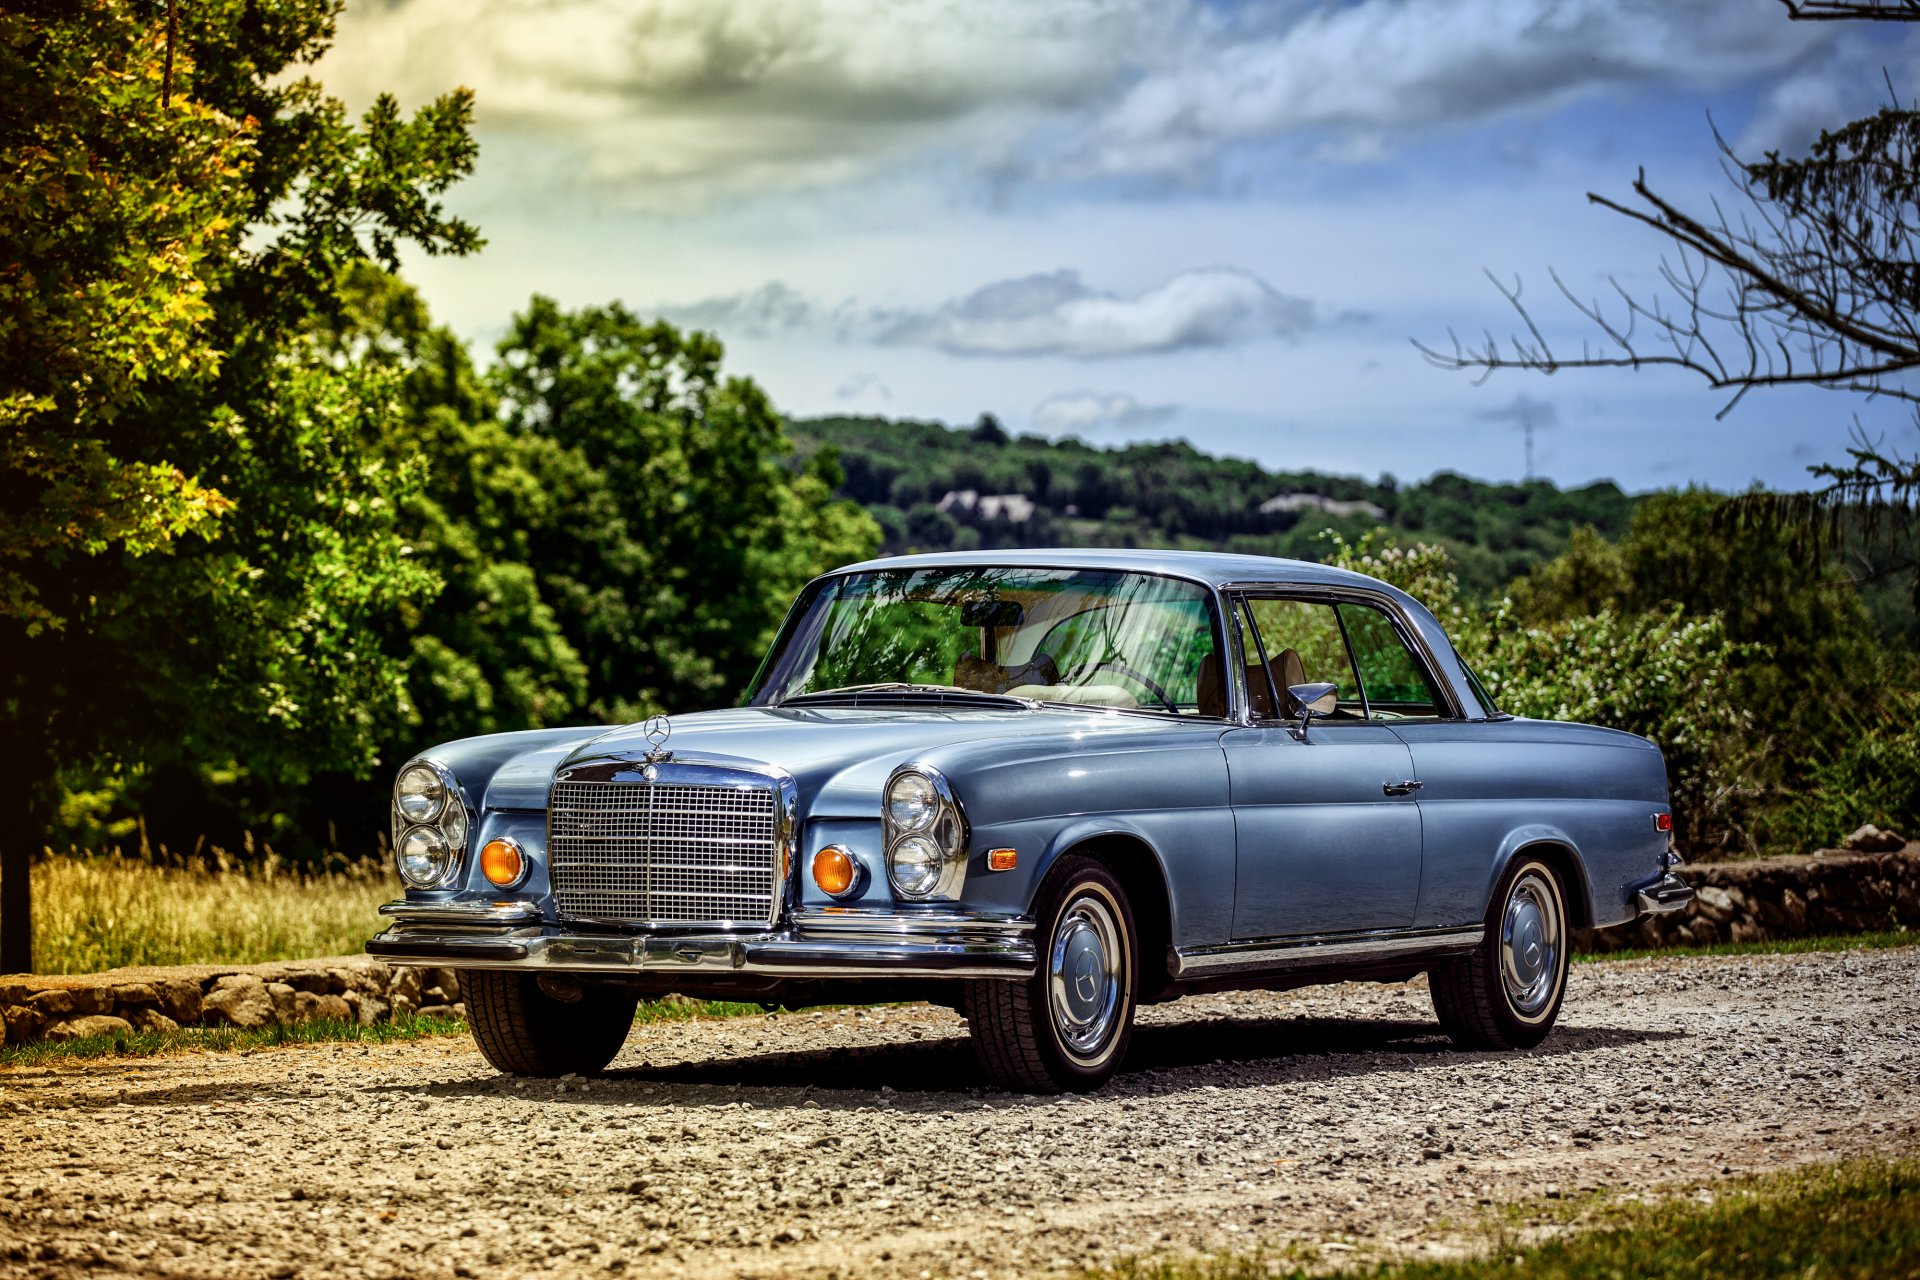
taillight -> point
(1663, 821)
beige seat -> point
(1287, 670)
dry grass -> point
(107, 910)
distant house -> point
(1321, 503)
(971, 504)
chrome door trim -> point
(1323, 950)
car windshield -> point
(1130, 641)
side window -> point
(1303, 646)
(1396, 684)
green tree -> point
(199, 535)
(679, 532)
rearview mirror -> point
(1313, 700)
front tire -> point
(1507, 993)
(524, 1031)
(1068, 1026)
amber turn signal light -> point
(836, 872)
(502, 863)
(1002, 859)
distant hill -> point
(936, 488)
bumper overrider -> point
(843, 943)
(1668, 893)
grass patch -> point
(681, 1009)
(149, 1044)
(1900, 937)
(1858, 1219)
(104, 911)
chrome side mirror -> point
(1313, 700)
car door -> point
(1326, 841)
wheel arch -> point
(1137, 865)
(1557, 850)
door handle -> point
(1406, 788)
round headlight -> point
(453, 825)
(914, 866)
(423, 857)
(419, 794)
(912, 802)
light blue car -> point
(1039, 787)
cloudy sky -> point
(1136, 219)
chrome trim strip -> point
(954, 948)
(465, 912)
(878, 922)
(1669, 893)
(1325, 949)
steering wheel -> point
(1127, 671)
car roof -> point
(1215, 568)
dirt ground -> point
(860, 1143)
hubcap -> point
(1530, 941)
(1083, 989)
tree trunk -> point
(16, 909)
(28, 782)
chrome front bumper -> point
(1668, 893)
(807, 944)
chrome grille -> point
(664, 853)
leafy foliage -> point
(1172, 495)
(1662, 674)
(679, 532)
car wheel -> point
(1067, 1027)
(526, 1032)
(1507, 993)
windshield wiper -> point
(884, 690)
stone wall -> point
(345, 988)
(1831, 892)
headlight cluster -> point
(429, 823)
(926, 835)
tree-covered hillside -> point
(915, 478)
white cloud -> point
(1391, 68)
(1848, 81)
(774, 310)
(675, 105)
(1082, 412)
(1058, 314)
(1053, 314)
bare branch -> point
(1853, 10)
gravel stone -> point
(1335, 1120)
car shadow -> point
(1165, 1057)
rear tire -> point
(524, 1031)
(1507, 992)
(1068, 1026)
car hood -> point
(838, 757)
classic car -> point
(1040, 787)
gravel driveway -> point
(858, 1143)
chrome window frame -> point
(1409, 635)
(1214, 592)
